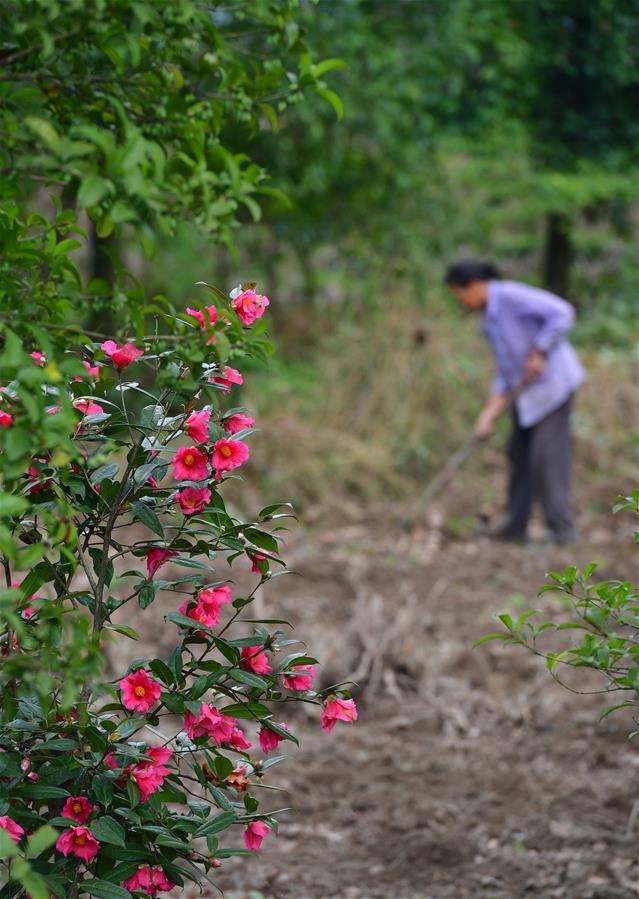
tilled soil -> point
(470, 773)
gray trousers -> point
(540, 470)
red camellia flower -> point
(78, 841)
(139, 691)
(149, 776)
(155, 558)
(249, 306)
(238, 740)
(6, 420)
(210, 722)
(228, 454)
(338, 710)
(205, 317)
(39, 358)
(254, 834)
(121, 355)
(93, 371)
(207, 608)
(150, 881)
(78, 808)
(87, 407)
(269, 739)
(237, 422)
(197, 426)
(255, 659)
(299, 677)
(228, 377)
(190, 464)
(193, 499)
(12, 828)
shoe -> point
(502, 533)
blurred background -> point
(432, 130)
(506, 130)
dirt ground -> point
(470, 772)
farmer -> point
(537, 372)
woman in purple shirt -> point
(537, 372)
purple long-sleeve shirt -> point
(518, 318)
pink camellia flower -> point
(78, 841)
(205, 317)
(121, 355)
(39, 358)
(254, 834)
(12, 828)
(155, 558)
(336, 710)
(196, 426)
(93, 371)
(249, 306)
(207, 607)
(78, 808)
(213, 597)
(193, 499)
(228, 454)
(148, 880)
(255, 659)
(34, 483)
(26, 612)
(269, 739)
(238, 740)
(190, 464)
(6, 420)
(139, 691)
(256, 558)
(149, 776)
(237, 422)
(198, 612)
(210, 722)
(228, 377)
(87, 407)
(299, 677)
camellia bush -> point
(117, 458)
(604, 612)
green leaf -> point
(147, 516)
(92, 189)
(33, 883)
(250, 679)
(7, 847)
(332, 98)
(488, 637)
(40, 840)
(146, 595)
(104, 472)
(129, 726)
(215, 825)
(107, 830)
(12, 505)
(102, 790)
(162, 671)
(123, 629)
(262, 539)
(42, 791)
(246, 710)
(105, 890)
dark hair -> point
(466, 271)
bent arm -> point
(554, 315)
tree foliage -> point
(132, 112)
